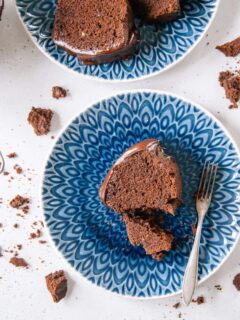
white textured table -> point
(26, 78)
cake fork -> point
(204, 196)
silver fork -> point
(204, 196)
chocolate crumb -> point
(58, 92)
(15, 225)
(40, 119)
(230, 49)
(18, 201)
(42, 241)
(179, 315)
(19, 246)
(230, 81)
(218, 287)
(18, 169)
(5, 173)
(57, 285)
(41, 222)
(25, 209)
(12, 155)
(176, 305)
(199, 300)
(35, 235)
(1, 225)
(18, 262)
(236, 281)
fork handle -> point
(191, 272)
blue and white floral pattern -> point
(161, 45)
(93, 238)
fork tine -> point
(215, 168)
(209, 182)
(200, 188)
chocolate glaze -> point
(141, 146)
(112, 55)
(90, 58)
(1, 7)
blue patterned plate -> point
(161, 46)
(92, 238)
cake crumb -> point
(5, 173)
(18, 169)
(18, 262)
(15, 225)
(34, 235)
(1, 225)
(18, 201)
(19, 246)
(25, 209)
(199, 300)
(230, 49)
(12, 155)
(58, 92)
(57, 285)
(230, 81)
(236, 281)
(40, 119)
(176, 305)
(218, 287)
(42, 241)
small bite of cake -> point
(157, 11)
(143, 178)
(95, 31)
(145, 231)
(230, 49)
(141, 183)
(230, 81)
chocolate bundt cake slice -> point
(143, 178)
(143, 181)
(95, 31)
(157, 11)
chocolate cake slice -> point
(157, 11)
(95, 31)
(145, 231)
(143, 178)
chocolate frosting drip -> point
(141, 146)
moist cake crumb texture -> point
(57, 285)
(144, 230)
(40, 119)
(58, 92)
(157, 11)
(18, 201)
(230, 81)
(148, 179)
(95, 31)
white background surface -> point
(26, 78)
